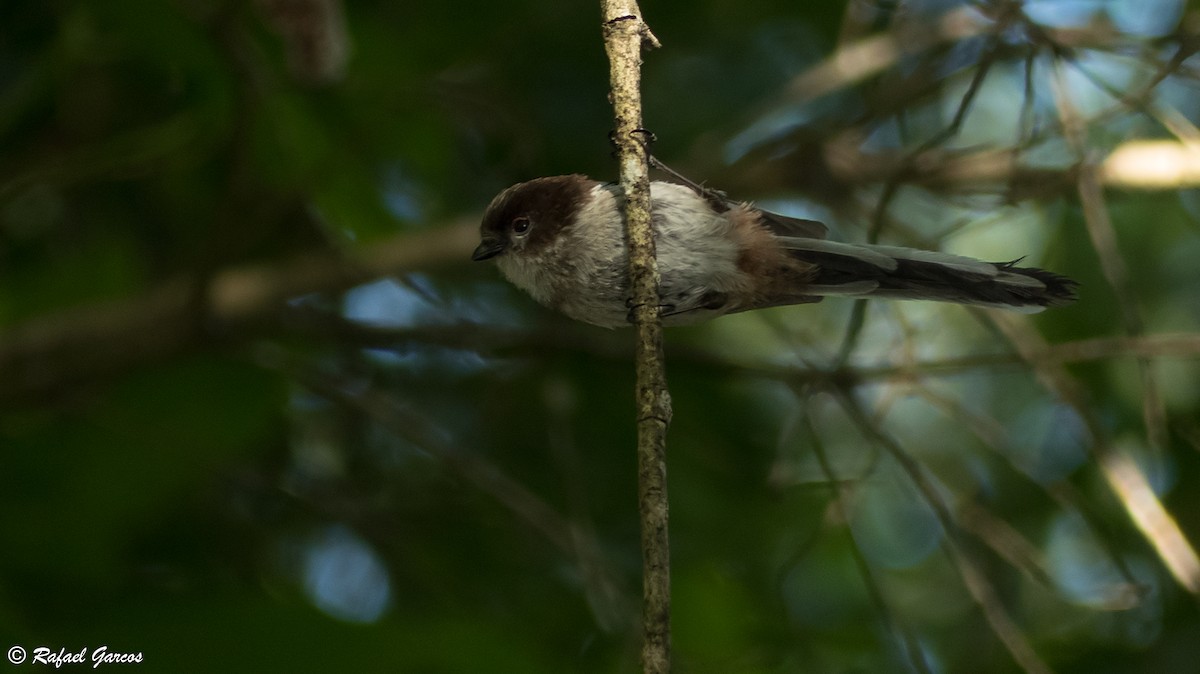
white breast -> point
(695, 256)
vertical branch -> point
(625, 34)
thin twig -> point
(1001, 536)
(976, 582)
(53, 352)
(1104, 240)
(625, 35)
(907, 642)
(409, 424)
(1125, 478)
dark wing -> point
(782, 225)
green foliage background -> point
(184, 495)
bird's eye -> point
(520, 226)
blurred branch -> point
(566, 336)
(51, 353)
(842, 498)
(1099, 225)
(1112, 264)
(860, 59)
(974, 579)
(575, 540)
(1002, 537)
(1084, 350)
(1126, 479)
(244, 292)
(625, 35)
(406, 423)
(314, 35)
(832, 161)
(1133, 165)
(610, 603)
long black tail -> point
(907, 273)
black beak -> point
(488, 248)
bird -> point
(562, 240)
